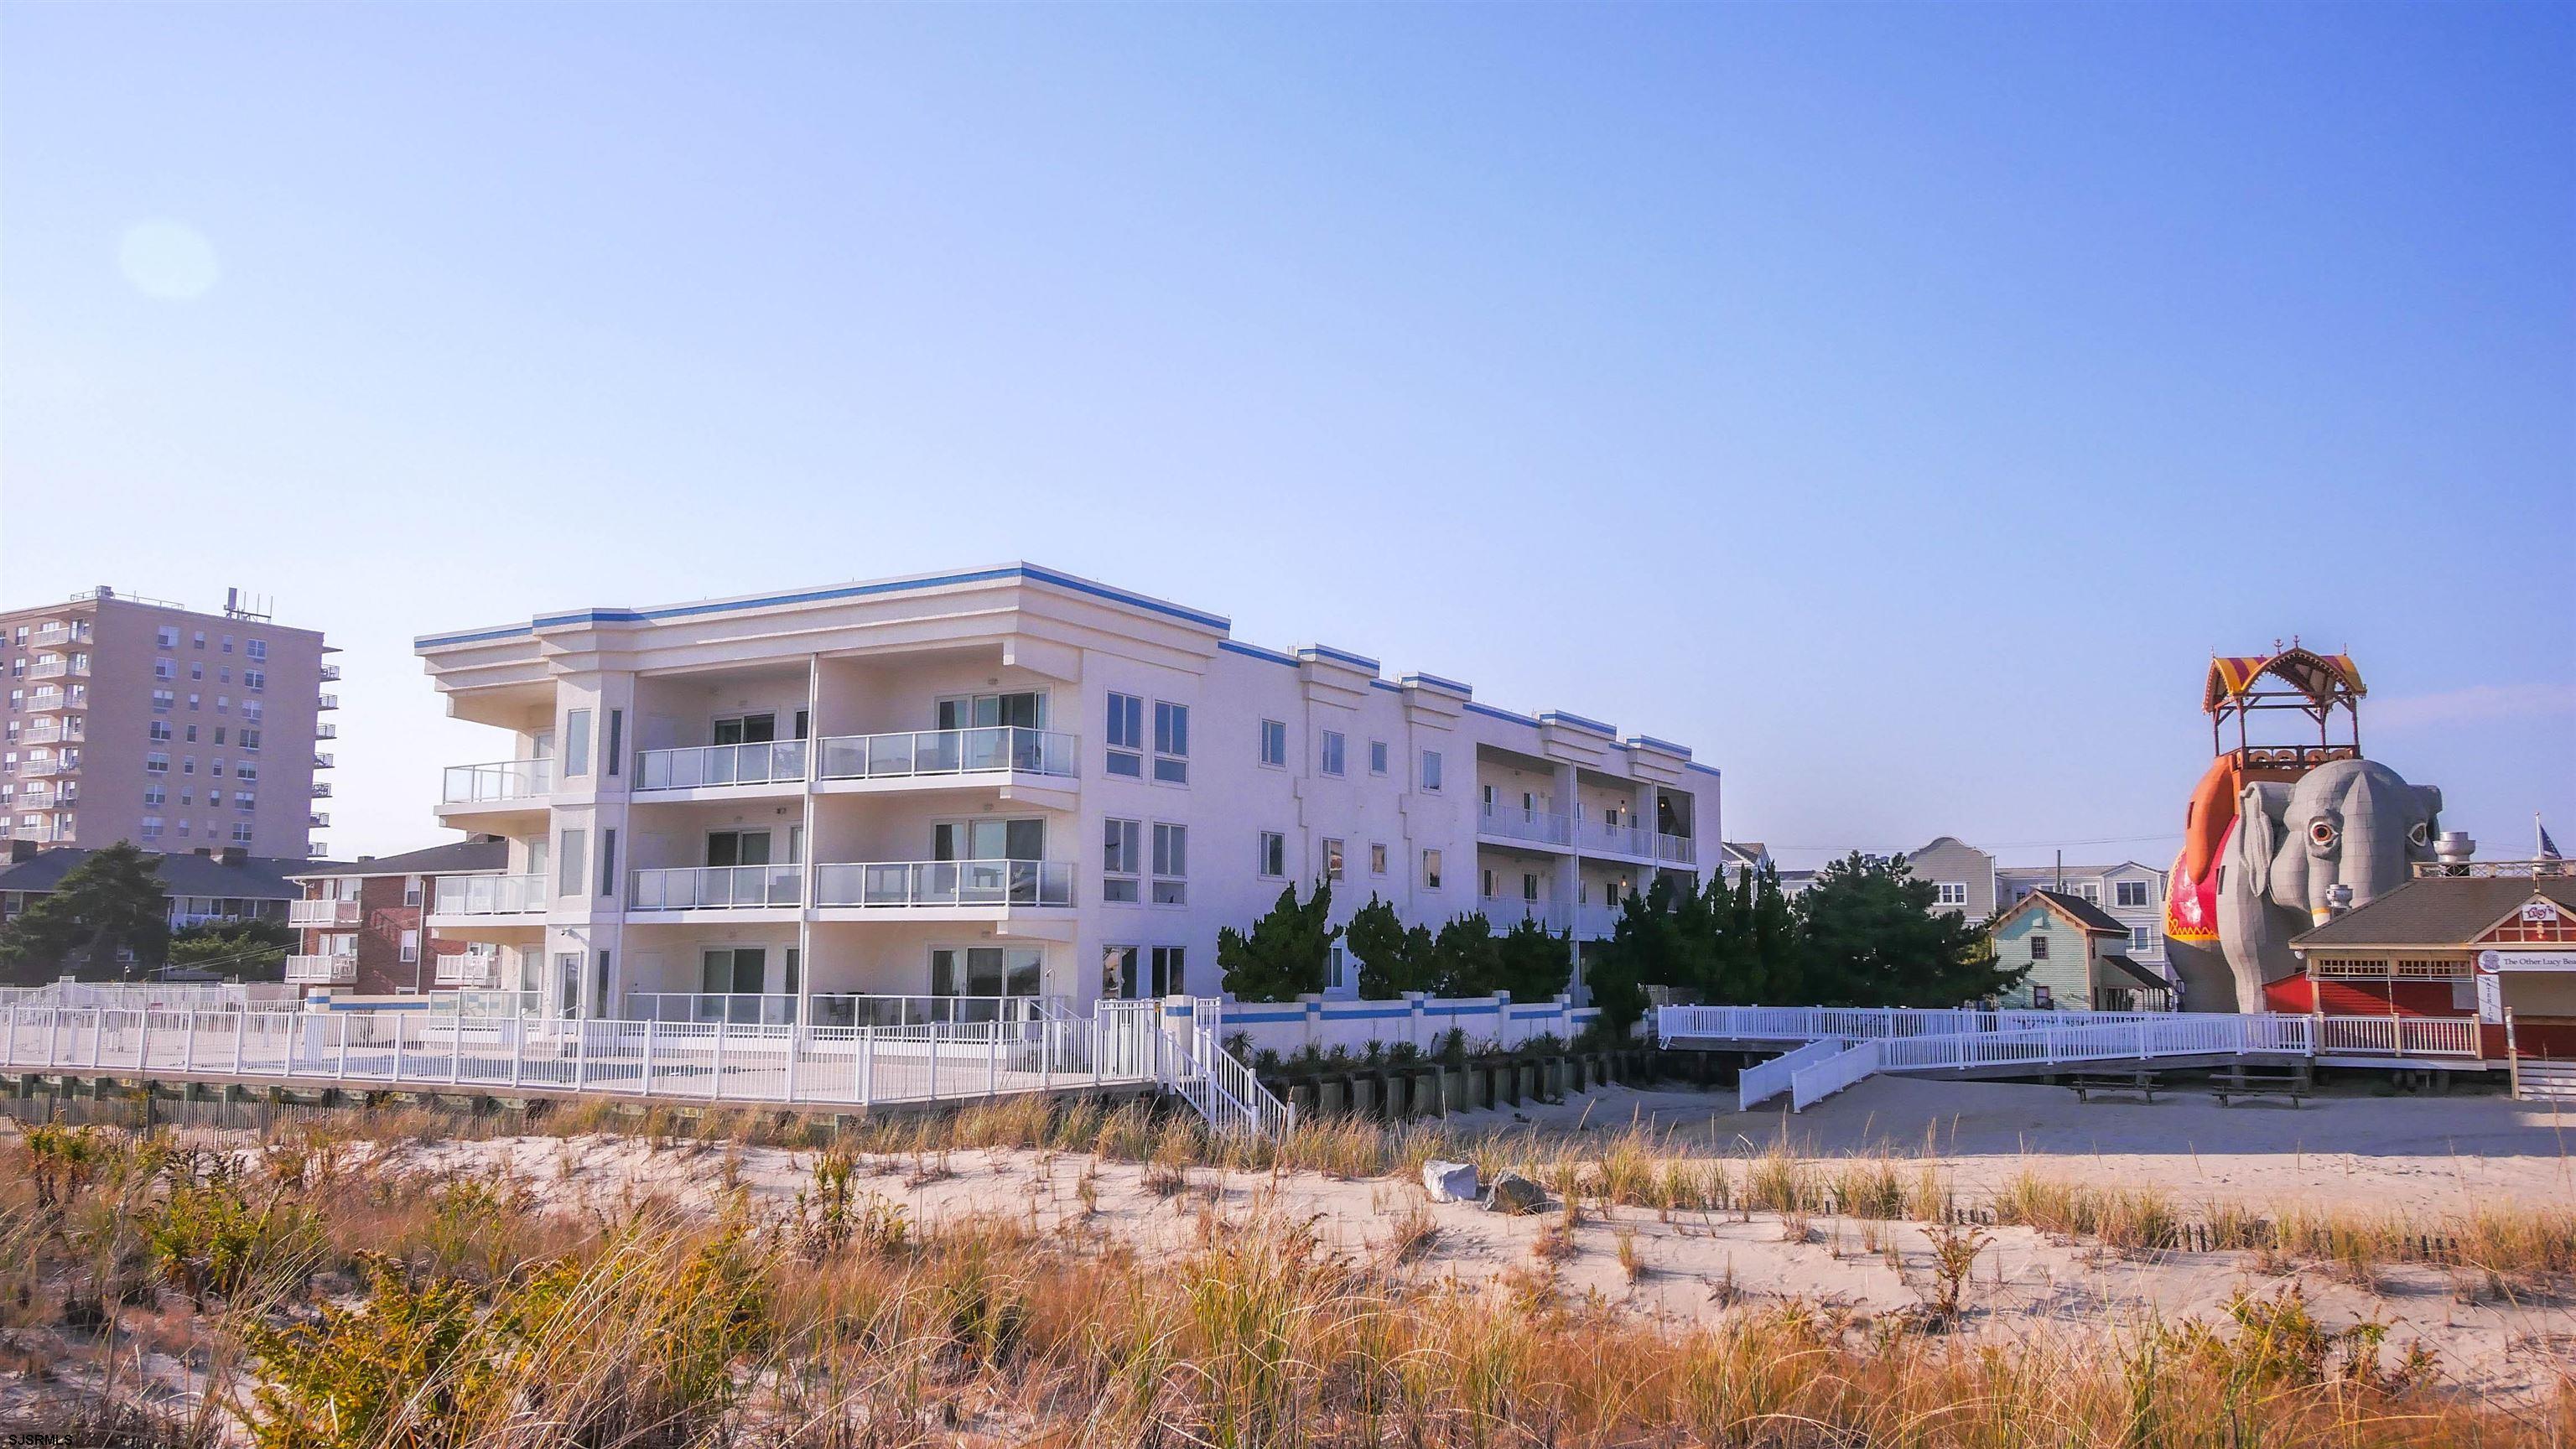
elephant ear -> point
(2258, 833)
(2432, 797)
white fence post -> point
(715, 1079)
(934, 1061)
(992, 1058)
(241, 1029)
(792, 1029)
(518, 1045)
(644, 1084)
(867, 1063)
(340, 1052)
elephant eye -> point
(2322, 832)
(2418, 833)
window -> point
(195, 702)
(249, 738)
(1529, 886)
(1485, 883)
(1377, 857)
(256, 648)
(1171, 742)
(1118, 973)
(743, 729)
(156, 763)
(196, 669)
(1274, 743)
(985, 970)
(241, 832)
(151, 825)
(1271, 859)
(1950, 893)
(244, 801)
(608, 862)
(167, 637)
(1126, 736)
(192, 734)
(1331, 761)
(187, 764)
(2129, 893)
(1431, 870)
(571, 869)
(1121, 861)
(254, 679)
(244, 770)
(1332, 861)
(2089, 891)
(1431, 770)
(1337, 965)
(2039, 945)
(616, 742)
(1377, 757)
(411, 945)
(228, 643)
(576, 753)
(154, 795)
(1169, 978)
(2142, 941)
(165, 669)
(1025, 710)
(163, 699)
(252, 710)
(200, 638)
(1126, 973)
(1171, 864)
(219, 734)
(411, 890)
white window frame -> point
(1334, 854)
(1270, 855)
(1274, 744)
(1431, 772)
(1331, 753)
(1170, 864)
(1432, 873)
(1124, 733)
(2145, 889)
(1377, 757)
(1950, 893)
(1171, 742)
(1122, 867)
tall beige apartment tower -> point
(137, 719)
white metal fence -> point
(1765, 1080)
(948, 752)
(1816, 1081)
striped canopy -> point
(2321, 677)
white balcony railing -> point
(321, 789)
(1595, 923)
(326, 731)
(53, 634)
(326, 701)
(489, 895)
(1677, 849)
(46, 701)
(319, 820)
(949, 752)
(58, 669)
(766, 762)
(321, 970)
(468, 968)
(1599, 837)
(718, 887)
(324, 915)
(48, 731)
(1512, 823)
(321, 760)
(330, 673)
(918, 883)
(56, 766)
(497, 782)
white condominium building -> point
(1008, 782)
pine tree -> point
(1288, 952)
(114, 901)
(1870, 936)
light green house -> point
(2077, 954)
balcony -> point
(326, 731)
(718, 888)
(324, 915)
(1676, 850)
(490, 895)
(330, 673)
(1598, 837)
(1536, 827)
(37, 797)
(318, 820)
(321, 761)
(703, 767)
(479, 969)
(54, 634)
(992, 750)
(499, 783)
(327, 701)
(321, 790)
(59, 669)
(900, 885)
(321, 970)
(53, 701)
(48, 731)
(55, 766)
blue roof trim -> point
(1255, 651)
(1386, 684)
(1339, 656)
(1486, 709)
(841, 591)
(1696, 765)
(1558, 716)
(1650, 740)
(1417, 677)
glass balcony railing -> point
(948, 752)
(718, 887)
(915, 883)
(498, 782)
(489, 895)
(765, 762)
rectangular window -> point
(1118, 972)
(1271, 859)
(411, 890)
(411, 945)
(1121, 860)
(1337, 968)
(167, 637)
(160, 730)
(1331, 761)
(1377, 757)
(608, 862)
(1171, 742)
(616, 742)
(576, 748)
(156, 763)
(1485, 883)
(1126, 735)
(1431, 870)
(572, 868)
(1274, 743)
(2142, 940)
(2043, 998)
(249, 738)
(1332, 861)
(151, 825)
(165, 669)
(1431, 770)
(2038, 947)
(254, 679)
(241, 833)
(1377, 857)
(2130, 892)
(1950, 893)
(1169, 978)
(256, 649)
(163, 700)
(244, 770)
(1171, 864)
(156, 796)
(1529, 887)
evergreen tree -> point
(1870, 936)
(1287, 953)
(1531, 962)
(110, 902)
(248, 950)
(1394, 958)
(1466, 959)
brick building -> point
(362, 925)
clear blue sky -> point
(1896, 404)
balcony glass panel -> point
(490, 895)
(500, 780)
(899, 884)
(762, 762)
(948, 752)
(718, 887)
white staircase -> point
(2547, 1082)
(1199, 1070)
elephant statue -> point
(2352, 824)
